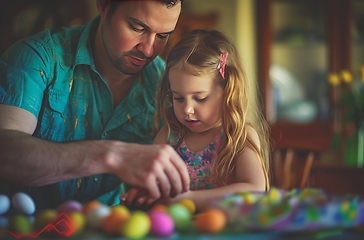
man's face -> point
(137, 32)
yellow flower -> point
(361, 74)
(334, 79)
(346, 76)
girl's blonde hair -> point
(198, 52)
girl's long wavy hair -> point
(198, 52)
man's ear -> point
(102, 5)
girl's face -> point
(136, 33)
(197, 100)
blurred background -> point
(295, 52)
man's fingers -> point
(181, 169)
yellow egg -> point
(137, 226)
(78, 221)
(211, 221)
(44, 217)
(189, 204)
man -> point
(77, 105)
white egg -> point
(4, 203)
(95, 216)
(23, 203)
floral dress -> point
(199, 164)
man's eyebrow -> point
(146, 26)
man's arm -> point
(30, 161)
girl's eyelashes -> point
(196, 99)
(200, 99)
(178, 98)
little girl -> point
(203, 100)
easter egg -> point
(180, 215)
(159, 207)
(113, 223)
(20, 224)
(23, 203)
(69, 206)
(44, 217)
(4, 223)
(95, 216)
(91, 205)
(211, 221)
(121, 209)
(4, 203)
(77, 220)
(137, 226)
(189, 204)
(162, 224)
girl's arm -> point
(248, 175)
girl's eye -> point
(201, 99)
(177, 99)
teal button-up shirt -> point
(53, 75)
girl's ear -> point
(102, 5)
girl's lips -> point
(190, 123)
(137, 61)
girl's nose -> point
(189, 109)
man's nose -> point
(146, 46)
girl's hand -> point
(137, 198)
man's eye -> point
(163, 36)
(136, 29)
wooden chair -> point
(290, 168)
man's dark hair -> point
(169, 4)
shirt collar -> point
(84, 47)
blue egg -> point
(4, 203)
(23, 203)
(4, 222)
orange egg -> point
(121, 209)
(113, 223)
(211, 220)
(90, 205)
(159, 207)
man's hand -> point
(156, 168)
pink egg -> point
(162, 224)
(69, 206)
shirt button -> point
(79, 183)
(95, 179)
(105, 133)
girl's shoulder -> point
(252, 136)
(173, 138)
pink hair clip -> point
(222, 64)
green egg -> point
(21, 224)
(180, 215)
(137, 226)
